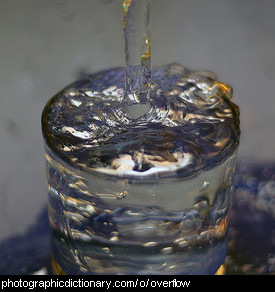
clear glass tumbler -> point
(138, 222)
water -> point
(141, 196)
(140, 165)
(136, 16)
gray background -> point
(45, 43)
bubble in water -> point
(122, 195)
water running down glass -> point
(140, 174)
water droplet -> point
(150, 244)
(114, 238)
(167, 250)
(205, 186)
(122, 195)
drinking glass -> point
(136, 222)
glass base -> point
(57, 270)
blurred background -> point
(44, 44)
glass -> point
(112, 212)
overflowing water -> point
(191, 122)
(140, 165)
(146, 195)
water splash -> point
(192, 123)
